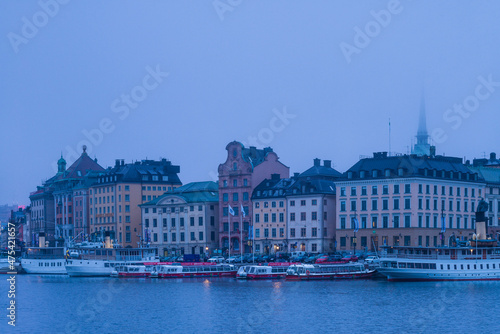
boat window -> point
(487, 266)
(493, 266)
(410, 265)
(455, 267)
(394, 264)
(475, 267)
(441, 267)
(448, 267)
(425, 266)
(481, 266)
(468, 267)
(433, 266)
(402, 265)
(46, 264)
(462, 267)
(418, 265)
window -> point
(396, 221)
(353, 191)
(407, 221)
(172, 222)
(353, 205)
(292, 216)
(396, 204)
(302, 216)
(314, 202)
(292, 233)
(282, 217)
(363, 205)
(273, 204)
(303, 232)
(200, 236)
(342, 222)
(257, 232)
(303, 203)
(374, 205)
(266, 233)
(245, 196)
(396, 188)
(183, 237)
(200, 221)
(127, 208)
(235, 183)
(282, 204)
(155, 222)
(174, 237)
(314, 215)
(181, 221)
(385, 190)
(342, 191)
(363, 191)
(257, 205)
(342, 206)
(374, 190)
(165, 237)
(273, 233)
(235, 197)
(407, 203)
(273, 218)
(191, 221)
(407, 188)
(292, 203)
(266, 217)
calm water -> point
(58, 304)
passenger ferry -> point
(440, 264)
(136, 271)
(195, 269)
(271, 271)
(102, 261)
(477, 259)
(299, 272)
(44, 260)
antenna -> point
(389, 136)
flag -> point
(356, 224)
(231, 211)
(243, 211)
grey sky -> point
(226, 76)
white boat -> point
(307, 272)
(196, 270)
(44, 260)
(102, 261)
(473, 260)
(440, 264)
(271, 271)
(242, 272)
(136, 271)
(6, 266)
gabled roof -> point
(311, 187)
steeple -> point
(61, 165)
(422, 147)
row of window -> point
(273, 204)
(225, 197)
(176, 209)
(235, 182)
(407, 190)
(181, 222)
(153, 188)
(303, 232)
(407, 205)
(452, 222)
(182, 237)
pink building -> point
(244, 169)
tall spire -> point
(422, 147)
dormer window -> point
(400, 171)
(349, 175)
(387, 172)
(362, 174)
(374, 173)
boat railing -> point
(412, 256)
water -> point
(59, 304)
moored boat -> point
(271, 271)
(306, 272)
(182, 270)
(44, 260)
(103, 261)
(136, 271)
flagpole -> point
(241, 232)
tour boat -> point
(440, 263)
(306, 272)
(150, 271)
(473, 260)
(44, 260)
(202, 269)
(102, 261)
(271, 271)
(242, 272)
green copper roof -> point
(194, 192)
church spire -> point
(422, 147)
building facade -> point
(115, 197)
(242, 171)
(406, 200)
(183, 220)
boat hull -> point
(266, 276)
(394, 275)
(191, 275)
(336, 276)
(44, 266)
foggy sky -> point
(233, 66)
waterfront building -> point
(296, 213)
(490, 172)
(115, 197)
(242, 171)
(52, 206)
(183, 220)
(404, 200)
(270, 215)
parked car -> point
(372, 259)
(217, 259)
(350, 258)
(232, 259)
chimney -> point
(433, 151)
(317, 162)
(117, 162)
(123, 162)
(296, 175)
(493, 156)
(327, 163)
(275, 176)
